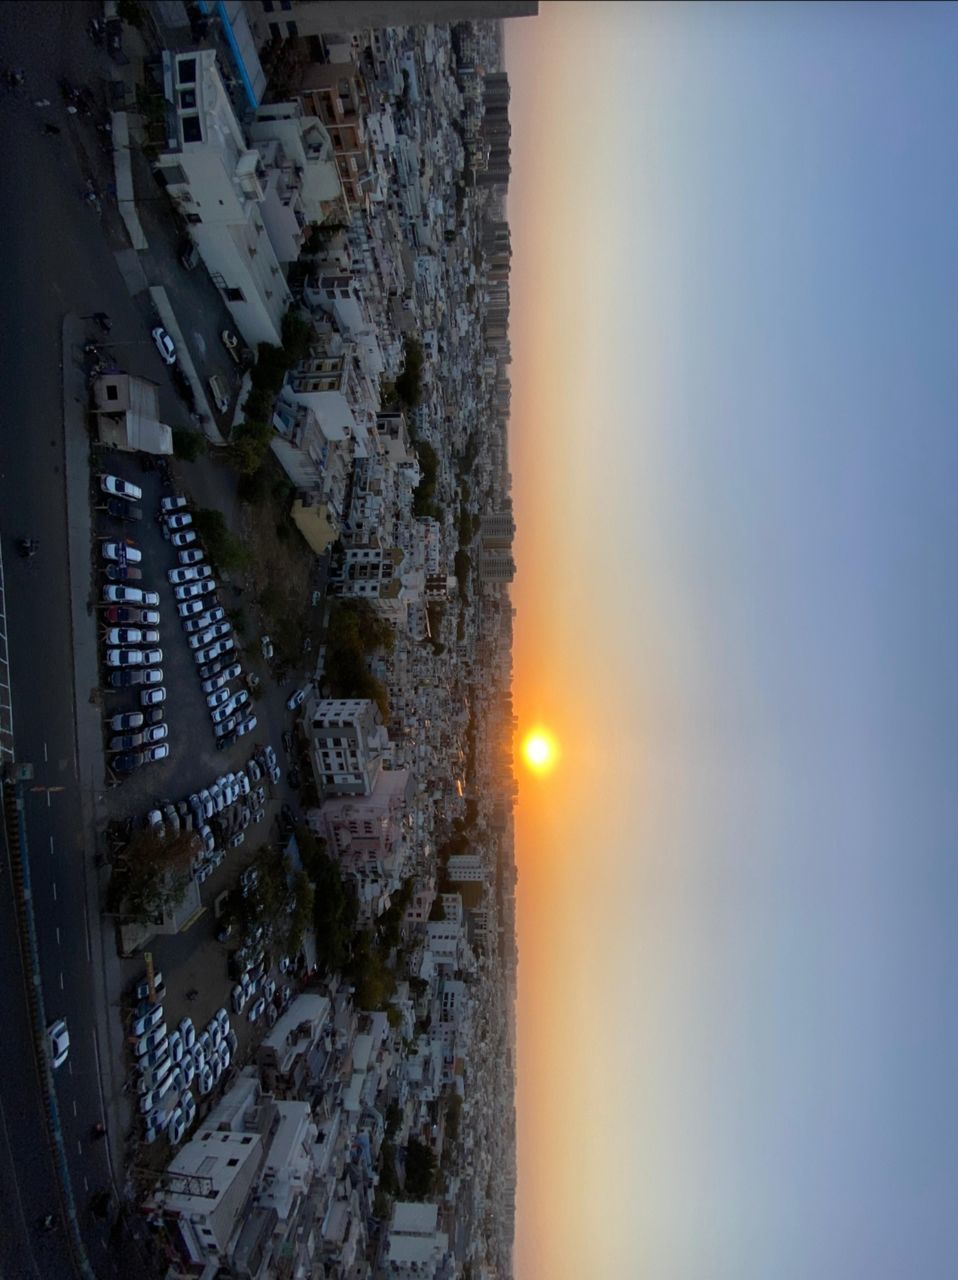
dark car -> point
(210, 669)
(118, 616)
(226, 740)
(293, 779)
(128, 762)
(124, 511)
(287, 741)
(128, 676)
(154, 715)
(126, 742)
(123, 573)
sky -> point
(734, 446)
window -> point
(235, 295)
(188, 99)
(192, 132)
(186, 71)
(267, 6)
(286, 4)
(233, 1162)
(112, 393)
(292, 29)
(274, 30)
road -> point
(58, 257)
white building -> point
(414, 1247)
(465, 867)
(219, 185)
(347, 741)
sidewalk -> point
(108, 978)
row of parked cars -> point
(130, 621)
(220, 813)
(169, 1064)
(209, 632)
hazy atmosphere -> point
(734, 451)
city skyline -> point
(732, 447)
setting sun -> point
(539, 751)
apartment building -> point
(347, 742)
(219, 184)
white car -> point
(176, 1047)
(176, 1128)
(269, 989)
(164, 345)
(297, 699)
(189, 1109)
(123, 636)
(118, 550)
(239, 998)
(205, 1081)
(193, 556)
(161, 752)
(269, 755)
(209, 841)
(218, 697)
(190, 608)
(125, 658)
(223, 1018)
(118, 488)
(188, 1032)
(215, 685)
(59, 1038)
(214, 650)
(256, 1009)
(183, 538)
(188, 574)
(181, 520)
(188, 1068)
(190, 590)
(175, 503)
(243, 783)
(254, 771)
(152, 1040)
(215, 632)
(148, 1021)
(129, 595)
(152, 697)
(247, 726)
(155, 733)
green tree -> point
(420, 1170)
(393, 1119)
(151, 874)
(223, 547)
(249, 445)
(188, 445)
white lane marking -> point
(48, 798)
(79, 1147)
(58, 935)
(61, 979)
(86, 1185)
(45, 756)
(74, 1106)
(86, 926)
(70, 1066)
(54, 891)
(51, 844)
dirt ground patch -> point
(280, 581)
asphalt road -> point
(58, 256)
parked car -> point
(175, 502)
(164, 345)
(147, 1021)
(129, 595)
(152, 697)
(143, 1044)
(247, 726)
(189, 573)
(256, 1009)
(215, 632)
(218, 697)
(126, 720)
(126, 742)
(179, 520)
(221, 728)
(155, 733)
(297, 699)
(118, 488)
(189, 590)
(266, 645)
(183, 538)
(123, 573)
(155, 754)
(193, 556)
(190, 608)
(118, 509)
(121, 551)
(127, 636)
(254, 771)
(125, 658)
(215, 650)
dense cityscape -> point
(261, 935)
